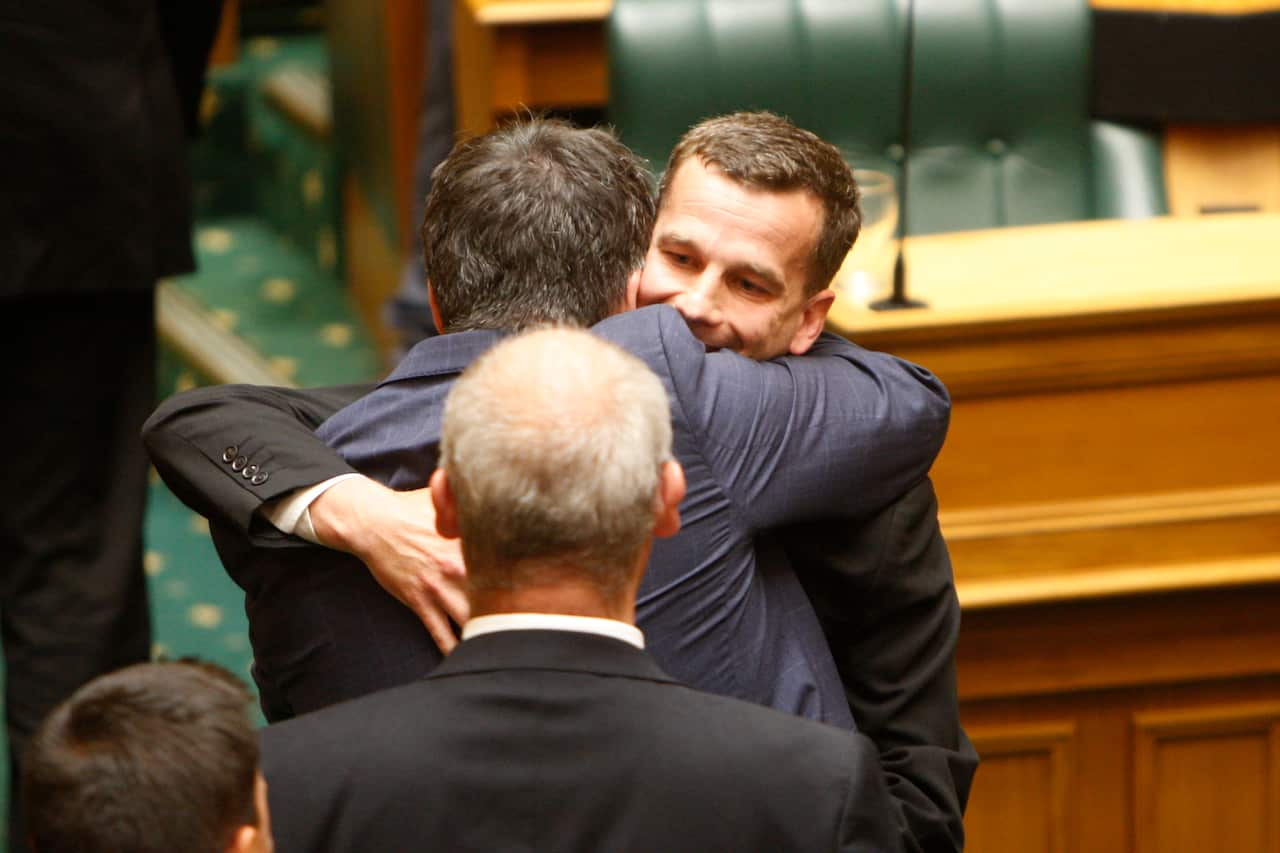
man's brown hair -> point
(152, 758)
(766, 151)
(534, 223)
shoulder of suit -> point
(729, 714)
(657, 334)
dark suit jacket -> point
(892, 613)
(559, 741)
(92, 150)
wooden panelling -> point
(548, 66)
(406, 69)
(1191, 7)
(376, 74)
(1103, 754)
(1046, 448)
(1216, 167)
(1073, 275)
(1208, 779)
(1021, 799)
(510, 55)
(1122, 641)
(1095, 350)
(226, 44)
(373, 260)
(531, 12)
(1110, 493)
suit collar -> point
(444, 354)
(567, 651)
(451, 353)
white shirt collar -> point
(478, 625)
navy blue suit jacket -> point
(837, 433)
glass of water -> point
(867, 273)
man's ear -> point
(255, 839)
(436, 317)
(247, 839)
(666, 502)
(446, 506)
(633, 290)
(811, 320)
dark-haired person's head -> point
(755, 216)
(154, 757)
(535, 223)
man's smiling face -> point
(735, 261)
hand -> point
(394, 534)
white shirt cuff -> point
(292, 514)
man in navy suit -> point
(548, 727)
(735, 623)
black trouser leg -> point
(79, 371)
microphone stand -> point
(899, 300)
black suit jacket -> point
(92, 149)
(560, 741)
(884, 590)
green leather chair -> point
(1000, 134)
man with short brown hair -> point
(152, 758)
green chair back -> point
(1000, 131)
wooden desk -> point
(510, 54)
(1110, 493)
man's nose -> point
(700, 302)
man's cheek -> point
(649, 293)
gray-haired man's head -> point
(557, 450)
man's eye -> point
(751, 287)
(679, 259)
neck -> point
(564, 597)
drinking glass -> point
(867, 273)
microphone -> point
(899, 299)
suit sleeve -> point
(867, 820)
(191, 436)
(885, 594)
(838, 432)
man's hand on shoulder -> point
(394, 534)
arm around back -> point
(836, 433)
(204, 442)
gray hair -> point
(553, 443)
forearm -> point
(838, 433)
(202, 443)
(896, 429)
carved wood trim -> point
(1099, 513)
(1115, 581)
(1093, 350)
(987, 543)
